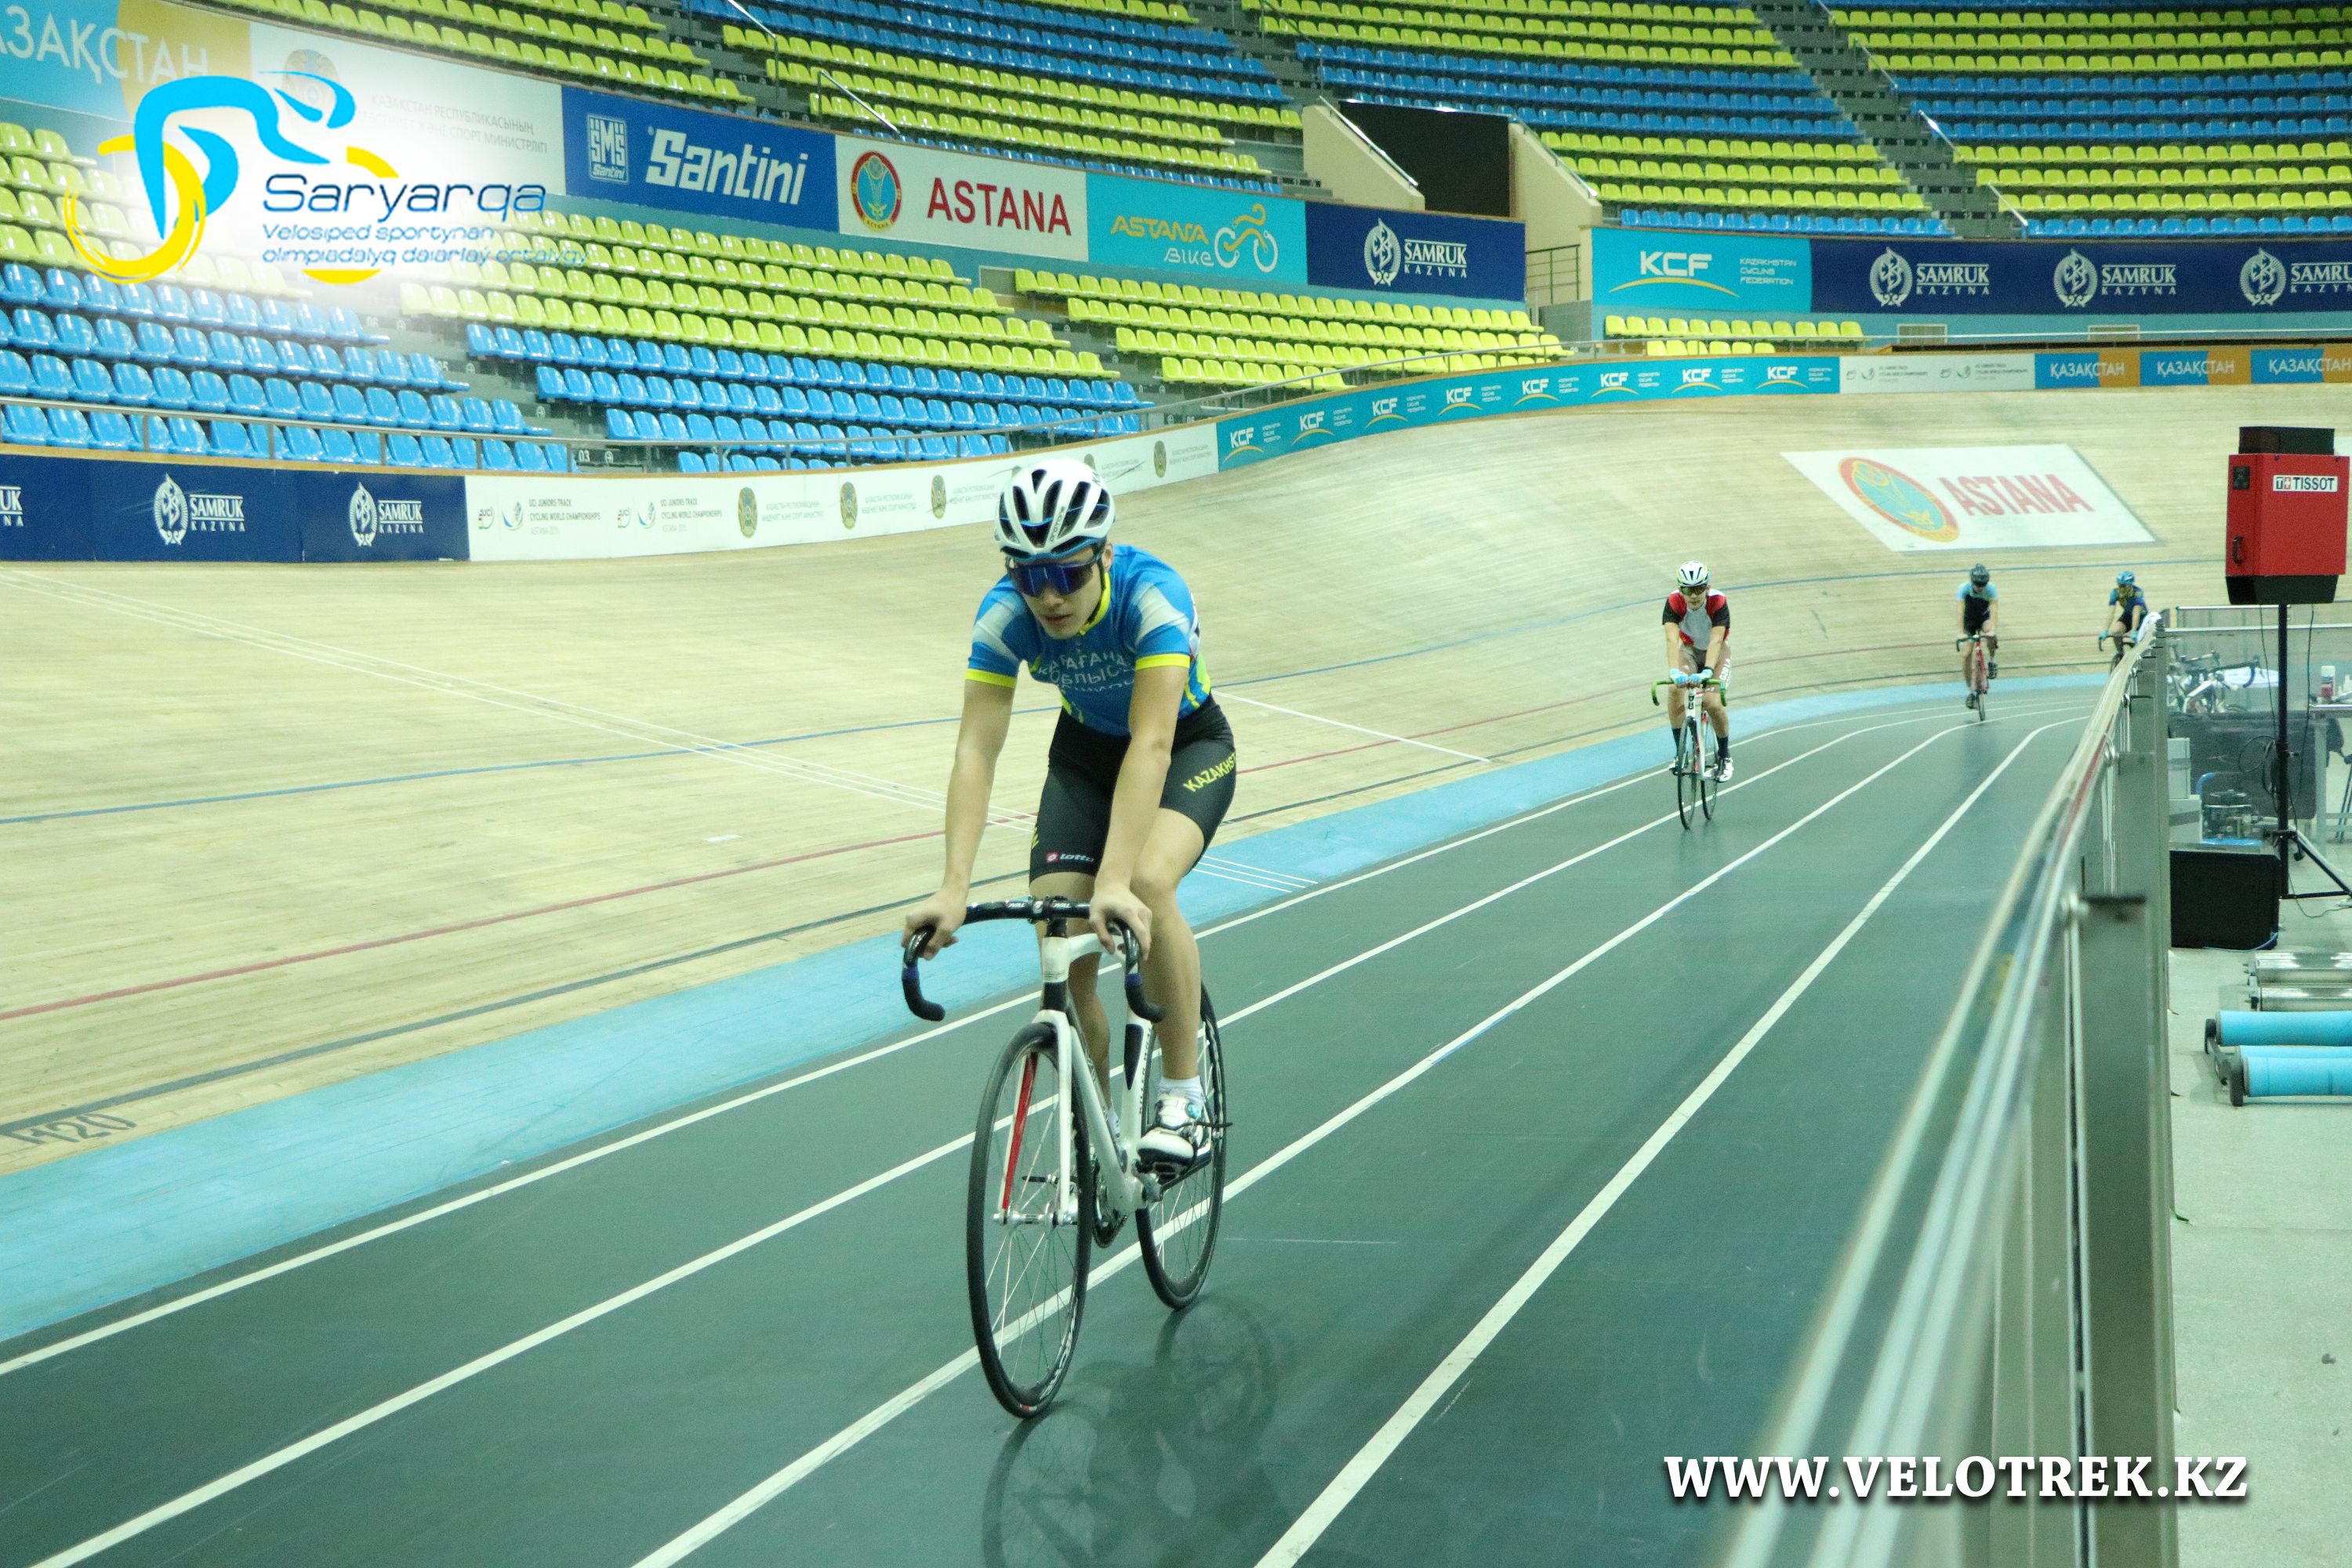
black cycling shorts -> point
(1974, 612)
(1082, 771)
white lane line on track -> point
(840, 1442)
(589, 1156)
(1359, 1470)
(1226, 696)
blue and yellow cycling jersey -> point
(1146, 618)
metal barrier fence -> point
(2008, 1288)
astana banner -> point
(1243, 240)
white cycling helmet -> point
(1692, 575)
(1052, 507)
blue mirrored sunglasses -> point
(1065, 576)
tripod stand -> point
(2291, 841)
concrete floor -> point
(2261, 1274)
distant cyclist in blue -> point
(1141, 768)
(1980, 612)
(2127, 608)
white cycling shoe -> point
(1722, 768)
(1178, 1138)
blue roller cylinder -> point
(2247, 1028)
(2274, 1070)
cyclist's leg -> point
(1198, 791)
(1718, 712)
(1689, 658)
(1065, 847)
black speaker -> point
(2225, 897)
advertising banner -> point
(2081, 369)
(1416, 253)
(1644, 270)
(2051, 277)
(655, 155)
(573, 517)
(2331, 362)
(1871, 373)
(1973, 498)
(45, 509)
(193, 512)
(375, 515)
(924, 194)
(1301, 427)
(99, 57)
(1239, 237)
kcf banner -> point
(894, 190)
(1416, 253)
(2052, 278)
(655, 155)
(1637, 269)
(1241, 238)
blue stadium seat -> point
(367, 448)
(246, 399)
(671, 425)
(51, 379)
(391, 370)
(438, 453)
(112, 434)
(90, 382)
(283, 401)
(337, 444)
(172, 302)
(700, 428)
(536, 347)
(170, 388)
(244, 313)
(413, 411)
(685, 392)
(529, 457)
(401, 451)
(302, 444)
(225, 351)
(595, 354)
(474, 415)
(23, 425)
(325, 361)
(382, 408)
(604, 386)
(551, 385)
(463, 449)
(32, 331)
(133, 387)
(20, 285)
(563, 349)
(205, 308)
(425, 371)
(70, 427)
(618, 425)
(351, 404)
(188, 436)
(498, 456)
(315, 401)
(689, 463)
(309, 321)
(442, 410)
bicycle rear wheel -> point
(1984, 687)
(1179, 1233)
(1024, 1260)
(1686, 784)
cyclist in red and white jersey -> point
(1698, 632)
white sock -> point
(1190, 1088)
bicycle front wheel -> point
(1179, 1233)
(1708, 785)
(1028, 1234)
(1686, 780)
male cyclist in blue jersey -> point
(1140, 771)
(1698, 644)
(1980, 612)
(2126, 607)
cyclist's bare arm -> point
(1135, 801)
(1716, 642)
(1673, 646)
(979, 740)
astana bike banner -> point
(1241, 239)
(1371, 250)
(1973, 498)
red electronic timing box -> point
(2287, 527)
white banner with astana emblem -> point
(1973, 498)
(578, 517)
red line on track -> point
(268, 963)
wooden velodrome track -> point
(269, 828)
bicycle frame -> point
(1974, 643)
(1126, 1187)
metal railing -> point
(2007, 1291)
(1555, 273)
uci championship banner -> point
(1241, 238)
(1641, 271)
(1367, 249)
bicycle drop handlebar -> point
(910, 979)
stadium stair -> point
(1901, 134)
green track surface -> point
(1341, 1279)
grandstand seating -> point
(1207, 336)
(1694, 108)
(623, 45)
(1666, 335)
(1104, 84)
(2095, 120)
